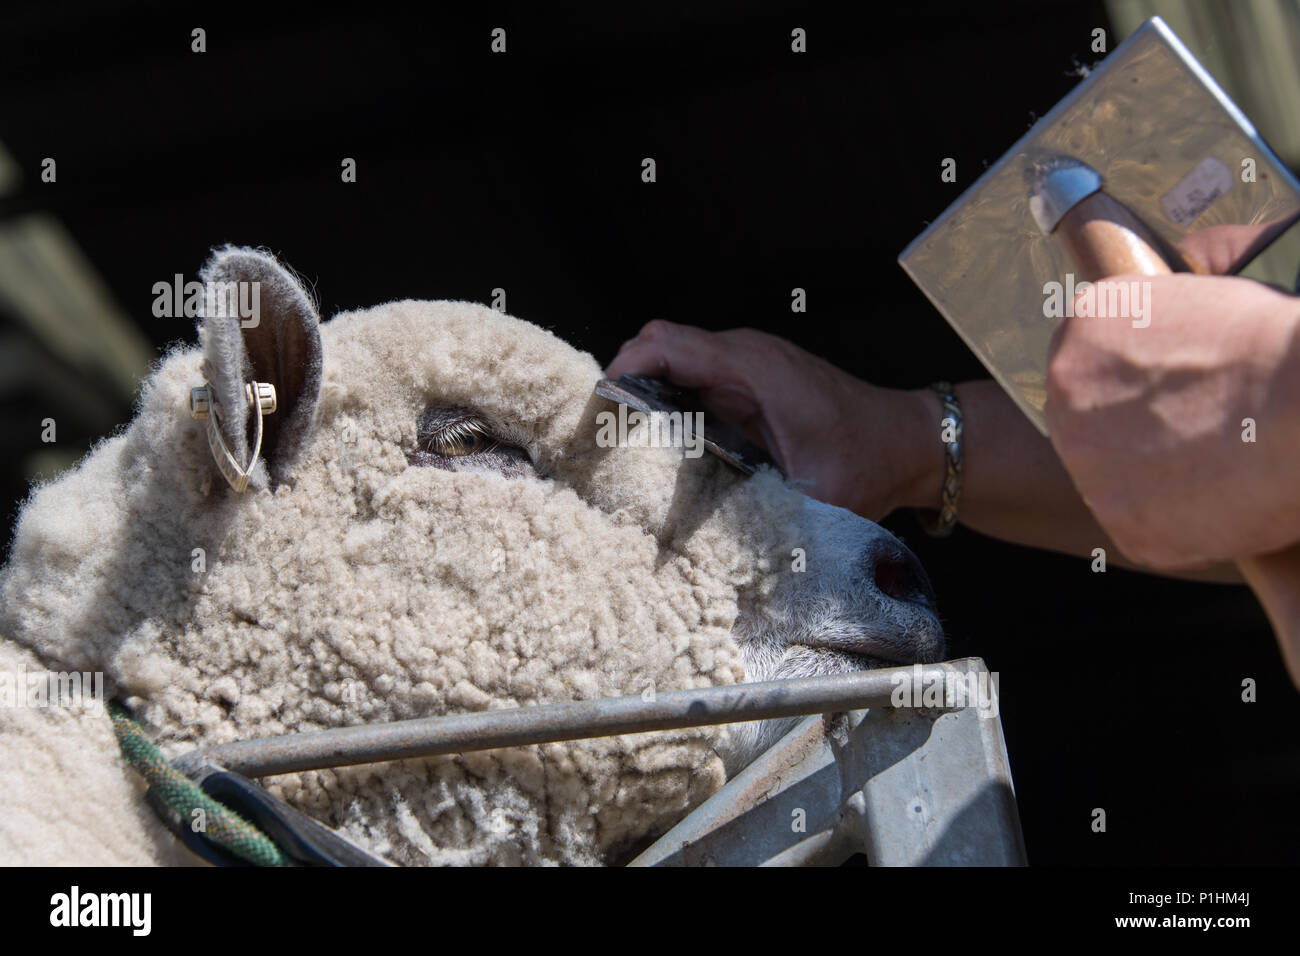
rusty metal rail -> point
(521, 726)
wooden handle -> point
(1104, 239)
(1275, 579)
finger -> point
(682, 354)
(644, 333)
(636, 365)
(637, 358)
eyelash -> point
(457, 439)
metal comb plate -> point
(1168, 144)
(653, 395)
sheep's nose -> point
(897, 573)
(868, 595)
(905, 625)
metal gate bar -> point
(521, 726)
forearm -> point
(1013, 485)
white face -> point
(864, 602)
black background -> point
(775, 170)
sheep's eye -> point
(458, 438)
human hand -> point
(844, 441)
(1219, 250)
(1149, 420)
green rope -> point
(222, 825)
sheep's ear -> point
(272, 336)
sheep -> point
(429, 527)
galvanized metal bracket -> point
(905, 786)
(918, 777)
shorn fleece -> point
(349, 586)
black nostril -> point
(898, 574)
(892, 580)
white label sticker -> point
(1197, 191)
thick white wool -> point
(365, 589)
(65, 796)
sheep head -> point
(432, 527)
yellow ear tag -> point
(204, 405)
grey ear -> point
(259, 324)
